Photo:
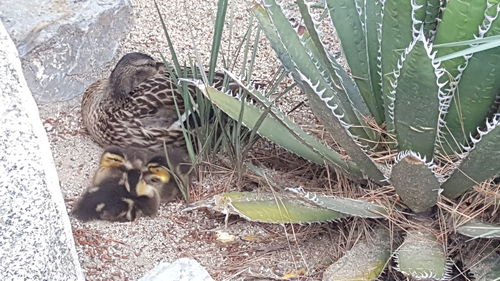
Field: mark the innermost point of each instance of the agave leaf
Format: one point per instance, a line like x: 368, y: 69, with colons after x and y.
x: 475, y: 94
x: 373, y: 34
x: 305, y: 65
x: 476, y: 229
x: 363, y: 262
x: 332, y: 120
x: 460, y: 21
x: 336, y: 73
x: 421, y: 256
x: 479, y: 163
x: 273, y: 37
x: 431, y: 18
x: 272, y: 208
x: 417, y: 96
x: 397, y: 33
x: 353, y: 207
x: 414, y: 181
x: 349, y: 19
x: 280, y: 130
x: 487, y: 269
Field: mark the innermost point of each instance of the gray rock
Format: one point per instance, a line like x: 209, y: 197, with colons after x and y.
x: 183, y: 269
x: 63, y: 42
x: 36, y: 241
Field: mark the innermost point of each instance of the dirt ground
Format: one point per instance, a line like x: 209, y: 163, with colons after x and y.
x: 125, y: 251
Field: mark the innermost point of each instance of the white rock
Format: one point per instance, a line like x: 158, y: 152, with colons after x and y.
x: 63, y: 42
x: 36, y: 241
x: 183, y: 269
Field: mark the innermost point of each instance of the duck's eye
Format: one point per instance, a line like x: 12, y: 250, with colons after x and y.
x: 111, y: 160
x: 155, y: 180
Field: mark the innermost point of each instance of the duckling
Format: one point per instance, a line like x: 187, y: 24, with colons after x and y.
x: 116, y: 160
x: 119, y: 189
x: 160, y: 167
x: 109, y: 201
x: 134, y: 106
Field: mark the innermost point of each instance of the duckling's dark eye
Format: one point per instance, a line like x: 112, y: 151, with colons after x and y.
x: 155, y: 180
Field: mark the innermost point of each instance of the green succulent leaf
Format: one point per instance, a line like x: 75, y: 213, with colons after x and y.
x: 415, y: 182
x: 479, y: 163
x: 333, y: 70
x: 305, y: 65
x: 476, y: 92
x: 273, y: 37
x: 460, y: 22
x: 476, y: 229
x: 422, y: 257
x: 397, y: 34
x: 352, y: 207
x: 328, y: 116
x: 431, y: 17
x: 365, y: 261
x: 272, y: 208
x: 417, y: 100
x: 279, y: 129
x: 350, y: 20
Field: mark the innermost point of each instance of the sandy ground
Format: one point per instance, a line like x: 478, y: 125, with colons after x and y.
x: 125, y: 251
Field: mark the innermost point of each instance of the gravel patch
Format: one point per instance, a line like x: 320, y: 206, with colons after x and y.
x: 125, y: 251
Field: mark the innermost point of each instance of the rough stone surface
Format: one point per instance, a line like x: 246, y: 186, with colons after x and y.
x: 36, y: 241
x: 62, y: 43
x: 183, y: 269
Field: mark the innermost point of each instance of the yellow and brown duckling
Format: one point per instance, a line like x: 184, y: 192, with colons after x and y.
x: 119, y: 190
x: 130, y: 182
x: 169, y: 172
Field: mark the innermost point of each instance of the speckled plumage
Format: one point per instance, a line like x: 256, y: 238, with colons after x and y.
x: 134, y: 106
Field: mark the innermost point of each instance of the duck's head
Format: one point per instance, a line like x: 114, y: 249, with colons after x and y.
x: 130, y: 71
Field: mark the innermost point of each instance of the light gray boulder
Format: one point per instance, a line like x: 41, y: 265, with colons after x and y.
x: 36, y: 241
x: 63, y: 42
x: 183, y: 269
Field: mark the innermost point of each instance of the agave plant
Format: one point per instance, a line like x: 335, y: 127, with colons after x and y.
x: 437, y: 99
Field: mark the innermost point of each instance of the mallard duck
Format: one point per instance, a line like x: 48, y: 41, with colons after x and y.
x: 134, y: 106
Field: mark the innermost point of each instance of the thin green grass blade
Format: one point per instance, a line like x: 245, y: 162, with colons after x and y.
x: 365, y: 261
x: 415, y: 182
x: 216, y: 40
x: 272, y: 208
x: 476, y: 229
x: 169, y: 41
x: 471, y: 50
x: 467, y: 43
x: 422, y: 257
x: 481, y: 162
